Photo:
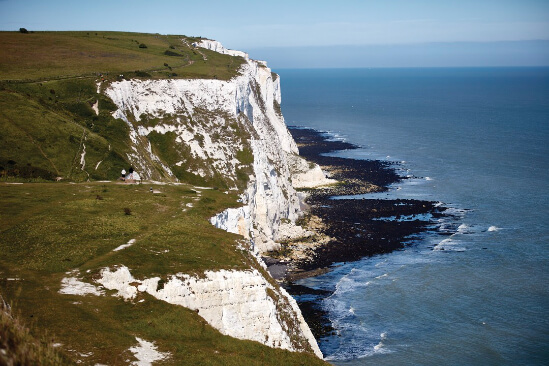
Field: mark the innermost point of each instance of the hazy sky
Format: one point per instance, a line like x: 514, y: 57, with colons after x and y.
x: 282, y: 25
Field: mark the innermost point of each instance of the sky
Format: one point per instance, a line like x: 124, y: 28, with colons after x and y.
x: 301, y: 33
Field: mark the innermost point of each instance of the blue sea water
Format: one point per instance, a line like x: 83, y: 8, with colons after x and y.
x: 476, y: 140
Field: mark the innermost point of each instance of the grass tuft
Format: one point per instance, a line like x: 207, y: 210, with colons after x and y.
x: 19, y: 347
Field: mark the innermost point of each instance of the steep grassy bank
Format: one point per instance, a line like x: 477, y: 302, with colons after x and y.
x: 50, y: 229
x: 57, y: 124
x: 19, y: 347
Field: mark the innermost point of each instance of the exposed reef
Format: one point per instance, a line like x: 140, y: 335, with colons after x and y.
x: 349, y: 229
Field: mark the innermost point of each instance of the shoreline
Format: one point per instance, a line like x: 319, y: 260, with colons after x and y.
x: 347, y: 229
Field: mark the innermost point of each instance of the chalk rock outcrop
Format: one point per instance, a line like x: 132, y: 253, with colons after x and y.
x: 242, y: 304
x: 218, y: 47
x: 306, y: 174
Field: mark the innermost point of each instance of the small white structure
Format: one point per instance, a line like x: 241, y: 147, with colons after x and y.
x: 133, y: 177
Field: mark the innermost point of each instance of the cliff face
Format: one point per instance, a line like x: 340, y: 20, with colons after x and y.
x: 211, y: 125
x: 242, y: 304
x: 229, y: 133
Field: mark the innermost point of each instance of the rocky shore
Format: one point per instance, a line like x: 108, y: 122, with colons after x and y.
x: 346, y: 229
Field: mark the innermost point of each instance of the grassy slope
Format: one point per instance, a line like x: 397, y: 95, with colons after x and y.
x: 82, y: 230
x: 45, y: 126
x: 46, y: 55
x: 19, y: 347
x: 48, y: 86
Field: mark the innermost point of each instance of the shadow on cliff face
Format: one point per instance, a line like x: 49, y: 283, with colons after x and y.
x: 309, y: 301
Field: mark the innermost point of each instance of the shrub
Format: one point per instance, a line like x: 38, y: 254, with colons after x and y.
x: 171, y: 53
x: 142, y: 45
x: 142, y: 74
x: 23, y: 30
x: 81, y: 109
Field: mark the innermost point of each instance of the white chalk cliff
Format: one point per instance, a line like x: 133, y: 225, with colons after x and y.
x: 242, y: 304
x: 212, y: 123
x: 218, y: 47
x: 200, y: 115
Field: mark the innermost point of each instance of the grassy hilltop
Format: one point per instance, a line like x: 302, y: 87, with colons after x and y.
x: 49, y: 228
x: 48, y: 91
x: 50, y: 55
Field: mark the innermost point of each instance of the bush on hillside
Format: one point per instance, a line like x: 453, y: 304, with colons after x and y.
x: 171, y: 53
x: 80, y: 108
x: 142, y: 74
x: 142, y: 45
x: 12, y: 169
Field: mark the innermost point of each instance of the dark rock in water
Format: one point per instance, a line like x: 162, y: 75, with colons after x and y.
x: 357, y: 227
x: 364, y: 227
x: 309, y: 301
x: 313, y: 144
x: 298, y: 290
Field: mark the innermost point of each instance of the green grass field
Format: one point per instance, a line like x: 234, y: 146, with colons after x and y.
x: 42, y: 56
x: 49, y: 229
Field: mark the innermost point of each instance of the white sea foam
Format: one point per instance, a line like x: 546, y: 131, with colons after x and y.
x: 456, y: 211
x: 345, y: 285
x: 465, y: 229
x: 360, y: 346
x: 379, y: 347
x: 449, y: 245
x: 493, y: 228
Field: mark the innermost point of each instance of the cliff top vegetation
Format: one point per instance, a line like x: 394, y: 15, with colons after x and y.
x: 51, y: 229
x: 50, y: 105
x: 38, y: 56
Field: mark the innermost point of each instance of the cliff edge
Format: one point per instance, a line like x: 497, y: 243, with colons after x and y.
x: 203, y: 119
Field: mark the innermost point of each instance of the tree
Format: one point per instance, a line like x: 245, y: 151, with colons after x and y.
x: 23, y: 30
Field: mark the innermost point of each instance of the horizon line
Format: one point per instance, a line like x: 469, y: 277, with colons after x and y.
x: 416, y: 67
x: 402, y: 44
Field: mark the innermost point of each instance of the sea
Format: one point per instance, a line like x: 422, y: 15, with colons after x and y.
x: 477, y: 141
